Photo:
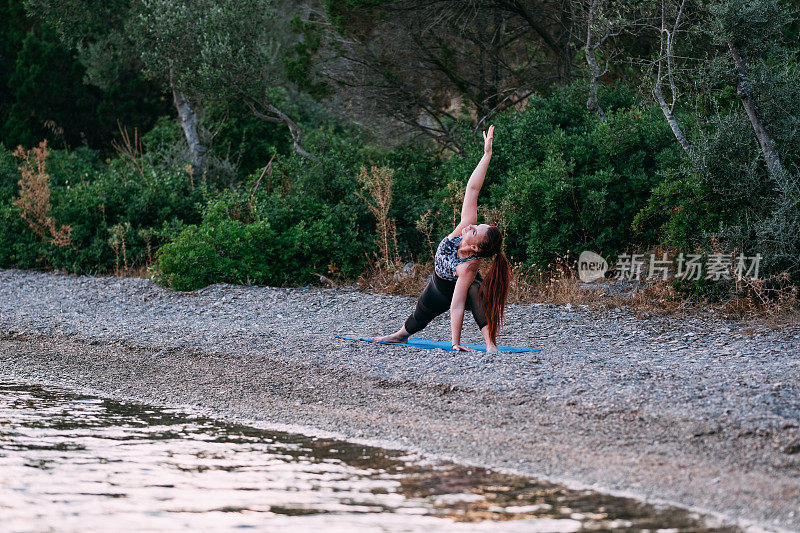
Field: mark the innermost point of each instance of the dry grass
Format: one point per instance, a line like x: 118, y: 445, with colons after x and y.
x: 129, y: 150
x: 376, y: 191
x: 772, y: 302
x: 119, y: 246
x: 142, y: 271
x: 387, y: 274
x: 119, y: 241
x: 558, y: 283
x: 561, y: 286
x: 34, y: 196
x: 396, y: 278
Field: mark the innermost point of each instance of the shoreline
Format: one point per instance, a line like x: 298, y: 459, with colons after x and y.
x: 404, y: 444
x: 609, y: 404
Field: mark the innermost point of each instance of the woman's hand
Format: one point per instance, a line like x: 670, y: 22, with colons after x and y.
x: 487, y: 140
x: 459, y: 348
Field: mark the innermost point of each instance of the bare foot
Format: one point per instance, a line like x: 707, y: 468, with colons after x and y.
x: 394, y: 337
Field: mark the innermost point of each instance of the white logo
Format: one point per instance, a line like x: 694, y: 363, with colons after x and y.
x: 591, y: 266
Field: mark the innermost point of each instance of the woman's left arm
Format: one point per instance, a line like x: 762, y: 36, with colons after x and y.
x: 469, y: 208
x: 458, y: 303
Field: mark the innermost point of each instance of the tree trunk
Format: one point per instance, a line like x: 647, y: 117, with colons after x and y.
x: 188, y: 118
x: 565, y: 51
x: 671, y: 120
x: 665, y: 54
x: 593, y: 104
x: 279, y: 117
x: 294, y: 129
x: 745, y: 90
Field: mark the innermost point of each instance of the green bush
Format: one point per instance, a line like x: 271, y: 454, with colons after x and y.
x: 561, y: 179
x: 277, y: 242
x: 9, y: 175
x: 564, y: 180
x: 18, y: 246
x: 723, y: 198
x: 119, y: 195
x: 93, y: 199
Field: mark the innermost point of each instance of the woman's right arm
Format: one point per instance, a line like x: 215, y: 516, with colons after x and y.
x: 466, y: 275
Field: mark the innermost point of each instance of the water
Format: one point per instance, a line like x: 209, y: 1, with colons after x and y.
x: 70, y: 462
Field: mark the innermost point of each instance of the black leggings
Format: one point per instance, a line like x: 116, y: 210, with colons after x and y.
x: 435, y: 300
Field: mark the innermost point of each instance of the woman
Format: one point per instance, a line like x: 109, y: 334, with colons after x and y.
x: 456, y: 283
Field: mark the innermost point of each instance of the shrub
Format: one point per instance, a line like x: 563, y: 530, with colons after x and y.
x: 279, y: 241
x: 91, y: 199
x: 19, y: 247
x: 563, y: 180
x: 560, y: 180
x: 725, y: 198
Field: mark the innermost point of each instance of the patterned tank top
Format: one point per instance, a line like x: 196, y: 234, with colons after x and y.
x: 446, y: 259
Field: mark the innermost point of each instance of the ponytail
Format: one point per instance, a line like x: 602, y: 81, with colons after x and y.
x: 495, y: 292
x: 494, y: 289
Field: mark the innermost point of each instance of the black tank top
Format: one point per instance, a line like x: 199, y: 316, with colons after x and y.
x: 446, y: 259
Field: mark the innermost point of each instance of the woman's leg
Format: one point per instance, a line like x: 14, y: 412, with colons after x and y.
x: 433, y: 301
x: 401, y: 335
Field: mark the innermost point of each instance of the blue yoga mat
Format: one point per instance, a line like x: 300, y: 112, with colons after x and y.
x: 426, y: 344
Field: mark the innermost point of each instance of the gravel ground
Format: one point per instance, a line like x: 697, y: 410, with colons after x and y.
x: 698, y: 410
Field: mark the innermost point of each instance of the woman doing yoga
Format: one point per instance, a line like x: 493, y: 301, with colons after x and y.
x: 456, y: 283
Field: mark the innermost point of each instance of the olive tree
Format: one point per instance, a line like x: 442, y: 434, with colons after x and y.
x: 223, y: 50
x: 109, y: 43
x: 201, y: 51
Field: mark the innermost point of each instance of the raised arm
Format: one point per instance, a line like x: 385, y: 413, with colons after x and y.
x: 469, y: 210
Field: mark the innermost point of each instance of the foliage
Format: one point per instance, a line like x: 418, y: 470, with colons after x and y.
x: 93, y: 200
x: 242, y: 138
x: 298, y: 58
x: 725, y: 195
x: 281, y: 241
x: 562, y: 180
x: 13, y: 28
x: 427, y: 65
x: 45, y: 94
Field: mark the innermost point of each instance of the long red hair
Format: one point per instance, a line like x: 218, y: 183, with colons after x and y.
x: 494, y: 289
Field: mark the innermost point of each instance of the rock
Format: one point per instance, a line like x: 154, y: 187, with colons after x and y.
x: 792, y: 448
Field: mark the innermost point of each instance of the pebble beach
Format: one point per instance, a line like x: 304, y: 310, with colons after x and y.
x: 695, y: 410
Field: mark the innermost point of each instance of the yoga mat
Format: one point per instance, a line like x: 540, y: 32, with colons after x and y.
x: 426, y: 344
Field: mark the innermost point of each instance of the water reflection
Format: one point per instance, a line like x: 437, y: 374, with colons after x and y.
x: 72, y: 462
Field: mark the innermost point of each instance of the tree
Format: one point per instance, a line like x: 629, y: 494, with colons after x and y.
x: 553, y: 24
x: 199, y: 50
x: 48, y: 95
x: 221, y: 50
x: 13, y: 28
x: 430, y: 67
x: 751, y: 30
x: 672, y: 14
x: 43, y: 90
x: 604, y: 22
x: 110, y: 45
x: 753, y: 38
x: 736, y: 64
